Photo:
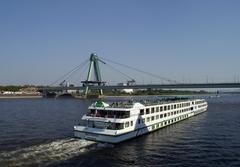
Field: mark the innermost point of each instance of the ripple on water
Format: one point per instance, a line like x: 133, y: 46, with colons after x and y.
x: 45, y: 154
x: 209, y: 139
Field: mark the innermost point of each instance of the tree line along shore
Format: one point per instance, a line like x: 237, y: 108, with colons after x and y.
x: 31, y: 91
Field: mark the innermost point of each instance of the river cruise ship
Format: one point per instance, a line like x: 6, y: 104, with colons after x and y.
x: 120, y: 121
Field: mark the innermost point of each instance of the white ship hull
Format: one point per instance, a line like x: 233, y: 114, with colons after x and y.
x: 111, y: 136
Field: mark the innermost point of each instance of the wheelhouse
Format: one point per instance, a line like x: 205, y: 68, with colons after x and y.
x: 109, y: 113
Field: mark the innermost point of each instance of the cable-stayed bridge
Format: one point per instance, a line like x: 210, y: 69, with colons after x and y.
x: 149, y: 86
x: 94, y: 79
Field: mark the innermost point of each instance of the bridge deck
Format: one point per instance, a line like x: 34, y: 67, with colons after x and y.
x: 149, y: 86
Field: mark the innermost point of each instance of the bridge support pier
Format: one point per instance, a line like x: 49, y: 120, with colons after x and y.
x: 93, y: 72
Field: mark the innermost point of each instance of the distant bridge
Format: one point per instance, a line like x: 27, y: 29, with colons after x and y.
x: 98, y: 84
x: 148, y: 86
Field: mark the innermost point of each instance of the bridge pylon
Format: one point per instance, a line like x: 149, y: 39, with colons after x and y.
x: 93, y: 73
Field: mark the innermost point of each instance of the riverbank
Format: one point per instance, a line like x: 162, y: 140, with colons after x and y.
x: 100, y: 97
x: 163, y: 95
x: 160, y: 95
x: 20, y: 97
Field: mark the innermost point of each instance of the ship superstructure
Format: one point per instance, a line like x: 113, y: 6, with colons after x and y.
x: 121, y: 121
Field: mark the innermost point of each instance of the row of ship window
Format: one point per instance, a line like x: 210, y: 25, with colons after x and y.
x: 164, y: 123
x: 163, y: 108
x: 200, y: 102
x: 119, y: 126
x: 152, y: 118
x: 202, y: 105
x: 128, y: 124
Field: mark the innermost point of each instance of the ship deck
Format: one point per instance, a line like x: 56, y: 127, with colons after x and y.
x: 130, y: 103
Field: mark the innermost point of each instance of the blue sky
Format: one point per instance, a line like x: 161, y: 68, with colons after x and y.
x: 186, y: 40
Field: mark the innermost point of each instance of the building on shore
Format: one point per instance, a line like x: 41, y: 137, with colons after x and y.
x: 129, y: 91
x: 22, y: 91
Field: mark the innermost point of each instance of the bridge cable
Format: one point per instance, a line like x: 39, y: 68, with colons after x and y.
x: 82, y: 71
x: 74, y: 72
x: 141, y: 71
x: 115, y: 69
x: 68, y: 73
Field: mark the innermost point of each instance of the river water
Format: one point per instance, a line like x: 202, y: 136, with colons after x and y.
x: 39, y: 132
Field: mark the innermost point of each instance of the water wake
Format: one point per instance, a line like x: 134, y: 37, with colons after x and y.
x: 46, y: 154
